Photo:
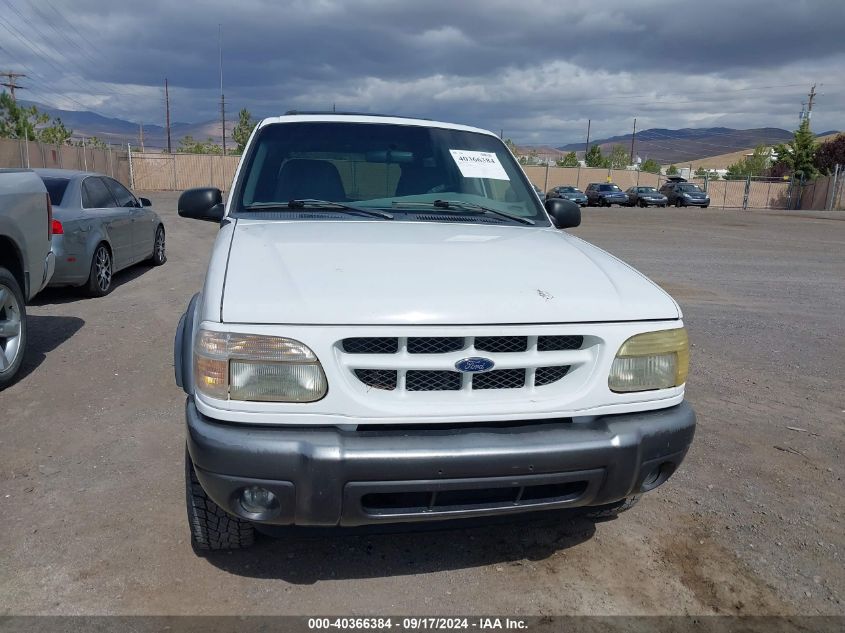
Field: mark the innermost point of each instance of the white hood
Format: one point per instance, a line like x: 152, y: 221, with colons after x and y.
x: 395, y: 273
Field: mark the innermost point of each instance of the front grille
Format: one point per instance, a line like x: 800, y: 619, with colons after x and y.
x: 427, y: 363
x: 499, y: 379
x: 432, y: 380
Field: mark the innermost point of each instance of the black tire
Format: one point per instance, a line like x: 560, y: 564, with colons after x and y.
x: 159, y: 248
x: 12, y: 327
x: 678, y: 203
x: 102, y: 271
x: 611, y: 510
x: 212, y: 528
x: 704, y: 206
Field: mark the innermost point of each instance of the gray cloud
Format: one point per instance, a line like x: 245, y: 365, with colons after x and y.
x: 537, y: 70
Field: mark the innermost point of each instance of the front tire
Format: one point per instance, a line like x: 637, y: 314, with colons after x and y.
x: 612, y: 510
x: 12, y: 327
x: 212, y: 528
x: 102, y: 270
x: 159, y: 248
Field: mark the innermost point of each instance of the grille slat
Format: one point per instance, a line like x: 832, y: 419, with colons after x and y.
x: 432, y: 380
x: 548, y: 375
x: 378, y: 378
x: 435, y: 344
x: 501, y: 344
x: 559, y: 343
x: 371, y: 345
x: 499, y: 379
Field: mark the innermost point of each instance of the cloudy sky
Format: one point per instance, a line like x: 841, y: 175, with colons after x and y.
x: 538, y: 70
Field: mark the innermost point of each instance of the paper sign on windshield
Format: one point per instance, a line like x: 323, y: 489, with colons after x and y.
x: 479, y: 164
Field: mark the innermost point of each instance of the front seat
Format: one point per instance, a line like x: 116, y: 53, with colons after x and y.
x: 305, y: 178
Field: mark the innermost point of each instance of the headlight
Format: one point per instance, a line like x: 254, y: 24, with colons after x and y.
x: 230, y: 366
x: 654, y: 360
x: 686, y: 195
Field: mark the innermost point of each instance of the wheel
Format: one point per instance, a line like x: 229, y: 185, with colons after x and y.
x: 678, y: 203
x: 12, y: 327
x: 642, y: 204
x: 102, y: 269
x: 159, y: 248
x: 212, y: 528
x: 611, y: 510
x: 704, y: 206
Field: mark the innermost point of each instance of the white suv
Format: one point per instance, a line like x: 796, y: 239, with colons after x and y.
x: 381, y: 339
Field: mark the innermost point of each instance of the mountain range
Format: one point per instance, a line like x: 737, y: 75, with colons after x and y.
x: 663, y: 145
x: 688, y: 144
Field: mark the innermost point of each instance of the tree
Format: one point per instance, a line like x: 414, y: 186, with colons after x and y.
x: 755, y: 165
x: 92, y: 141
x: 242, y: 130
x: 700, y: 172
x: 22, y: 122
x: 570, y: 160
x: 593, y: 157
x: 798, y: 154
x: 511, y: 146
x: 650, y: 165
x: 671, y: 170
x: 188, y: 145
x: 830, y: 153
x: 618, y: 157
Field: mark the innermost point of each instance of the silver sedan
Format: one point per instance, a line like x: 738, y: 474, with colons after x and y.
x: 99, y: 228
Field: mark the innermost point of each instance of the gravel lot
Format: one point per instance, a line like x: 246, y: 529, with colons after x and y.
x: 92, y: 436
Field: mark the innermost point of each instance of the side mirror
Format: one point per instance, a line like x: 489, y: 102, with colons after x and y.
x: 565, y: 214
x: 203, y: 203
x: 145, y: 202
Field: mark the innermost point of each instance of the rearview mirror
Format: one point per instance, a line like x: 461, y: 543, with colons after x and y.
x: 203, y: 203
x: 145, y: 202
x: 565, y: 214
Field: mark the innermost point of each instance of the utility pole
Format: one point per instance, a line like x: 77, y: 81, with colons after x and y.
x: 633, y: 136
x: 222, y: 97
x: 587, y: 146
x: 167, y: 114
x: 812, y: 97
x: 10, y: 82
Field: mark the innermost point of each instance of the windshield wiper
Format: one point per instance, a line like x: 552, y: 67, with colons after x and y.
x: 303, y: 203
x: 462, y: 205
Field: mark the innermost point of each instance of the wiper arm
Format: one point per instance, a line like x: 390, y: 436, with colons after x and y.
x: 303, y: 203
x: 454, y: 205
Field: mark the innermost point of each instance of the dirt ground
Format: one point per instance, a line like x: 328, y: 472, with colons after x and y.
x: 92, y: 436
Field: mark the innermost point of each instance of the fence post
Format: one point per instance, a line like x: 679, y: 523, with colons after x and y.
x: 131, y: 172
x: 745, y: 194
x: 26, y: 145
x: 111, y: 162
x: 173, y: 169
x: 84, y: 154
x: 725, y: 195
x: 546, y: 183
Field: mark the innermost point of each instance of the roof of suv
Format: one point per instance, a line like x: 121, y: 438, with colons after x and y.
x: 353, y: 117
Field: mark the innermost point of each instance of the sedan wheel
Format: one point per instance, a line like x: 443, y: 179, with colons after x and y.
x: 100, y: 277
x: 12, y: 327
x: 159, y: 250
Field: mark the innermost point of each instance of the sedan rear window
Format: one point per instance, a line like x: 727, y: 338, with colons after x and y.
x: 56, y: 187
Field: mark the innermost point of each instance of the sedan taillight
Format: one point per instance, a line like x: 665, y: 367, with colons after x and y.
x: 57, y: 228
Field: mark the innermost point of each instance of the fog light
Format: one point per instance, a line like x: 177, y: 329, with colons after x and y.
x: 258, y: 500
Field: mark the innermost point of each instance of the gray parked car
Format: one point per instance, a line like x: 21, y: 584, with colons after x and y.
x: 99, y: 228
x: 567, y: 192
x: 645, y: 197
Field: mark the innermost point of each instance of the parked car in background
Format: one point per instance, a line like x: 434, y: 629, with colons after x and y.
x: 26, y: 261
x: 605, y: 194
x: 645, y: 197
x: 568, y: 192
x: 683, y: 194
x: 540, y: 193
x: 99, y: 228
x: 321, y: 394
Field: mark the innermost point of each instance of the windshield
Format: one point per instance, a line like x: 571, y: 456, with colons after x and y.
x: 383, y: 166
x: 647, y: 190
x: 609, y: 188
x: 688, y: 187
x: 569, y: 190
x: 56, y: 187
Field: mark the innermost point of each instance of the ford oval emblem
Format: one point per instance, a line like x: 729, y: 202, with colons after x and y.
x: 474, y: 364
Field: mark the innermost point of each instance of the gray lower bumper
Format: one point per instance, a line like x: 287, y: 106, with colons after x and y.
x: 329, y: 477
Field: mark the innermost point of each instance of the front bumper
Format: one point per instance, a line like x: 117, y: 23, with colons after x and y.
x: 329, y: 477
x: 696, y: 202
